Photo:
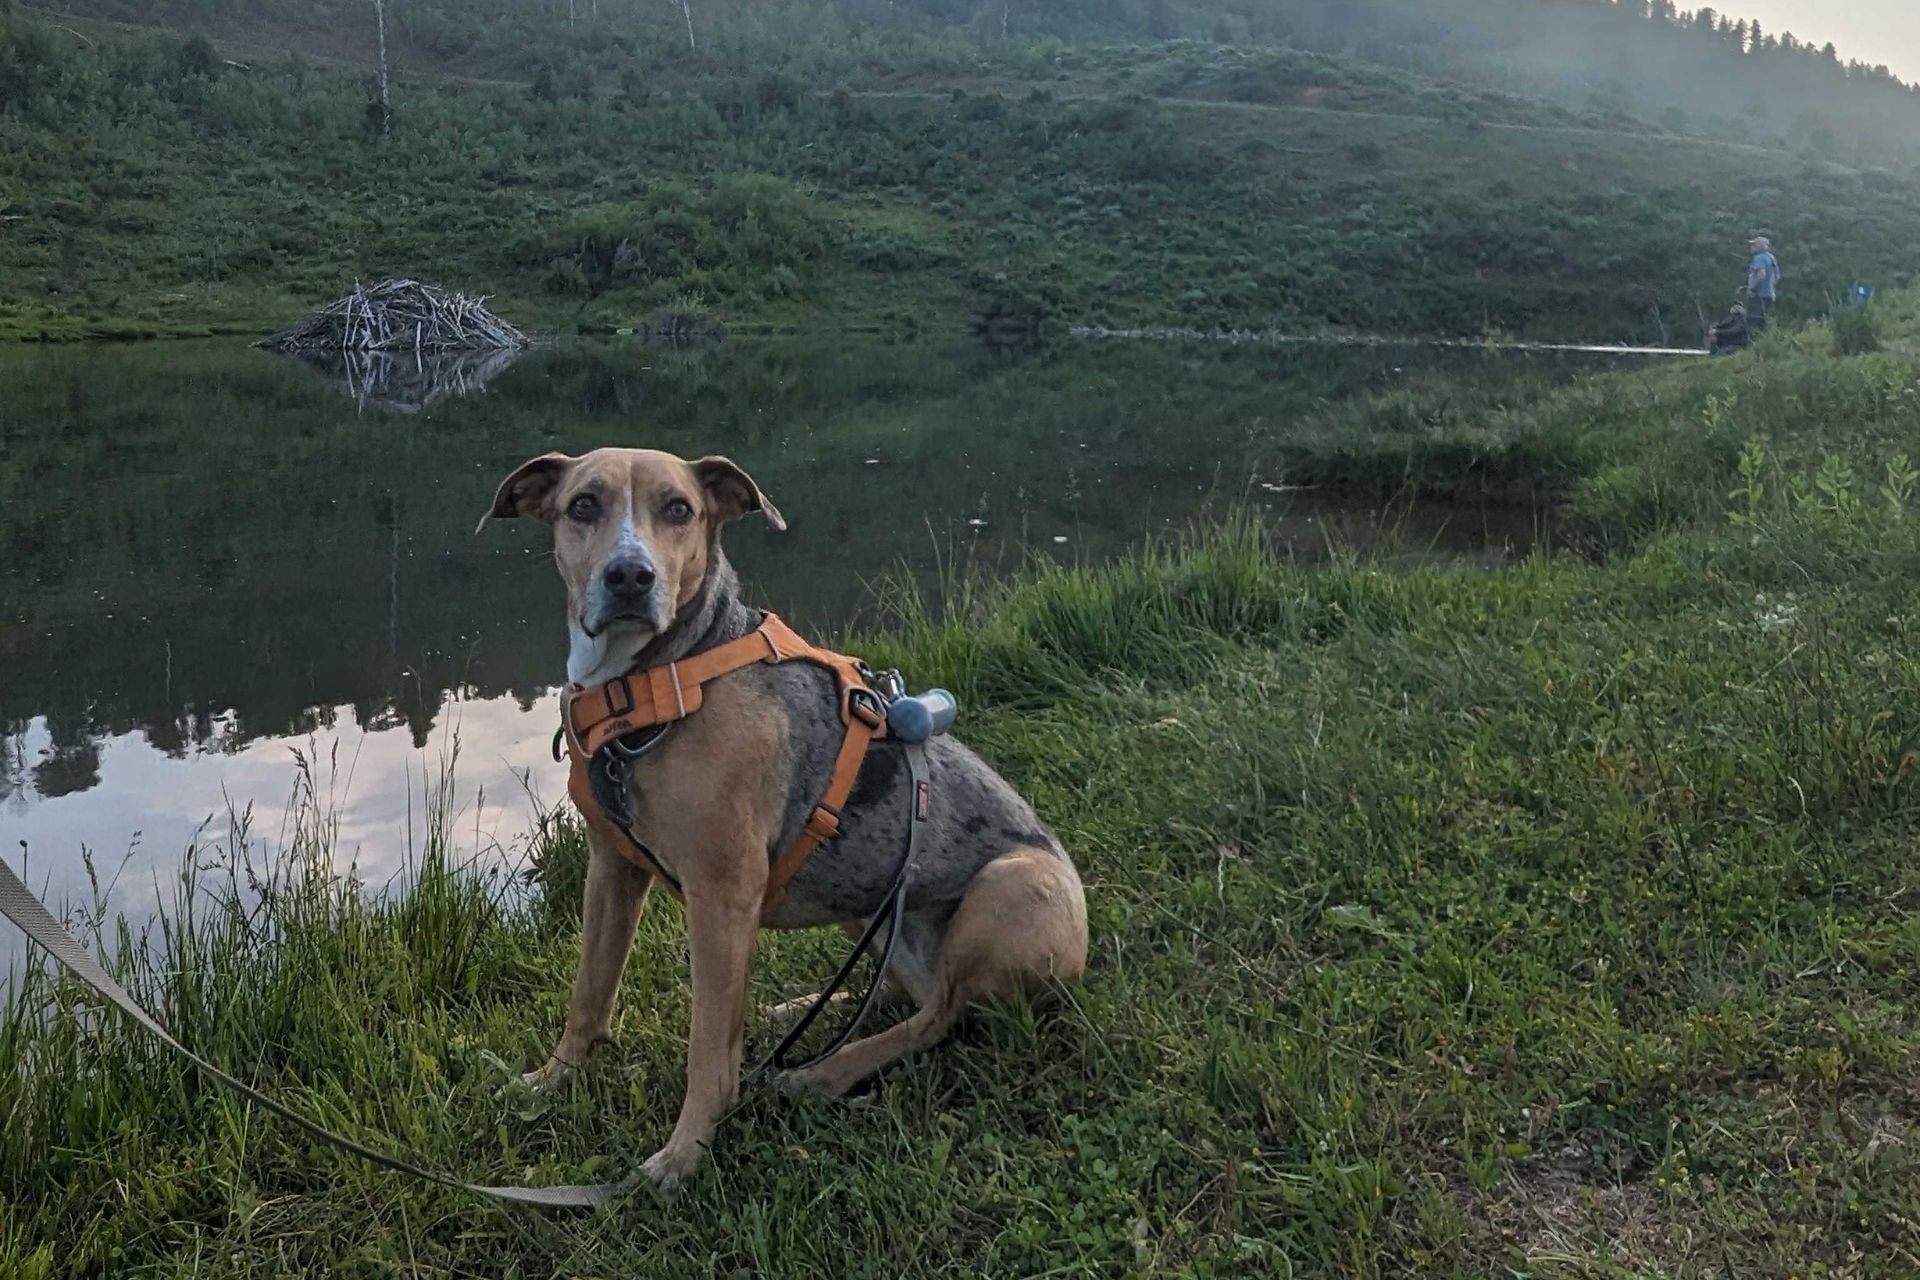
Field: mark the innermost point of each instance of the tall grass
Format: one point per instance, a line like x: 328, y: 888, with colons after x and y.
x: 1550, y: 921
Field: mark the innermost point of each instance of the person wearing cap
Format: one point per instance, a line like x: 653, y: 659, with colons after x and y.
x: 1763, y: 283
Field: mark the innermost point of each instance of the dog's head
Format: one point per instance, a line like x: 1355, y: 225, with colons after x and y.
x: 635, y: 531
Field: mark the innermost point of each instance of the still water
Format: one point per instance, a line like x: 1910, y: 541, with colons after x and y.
x: 211, y: 558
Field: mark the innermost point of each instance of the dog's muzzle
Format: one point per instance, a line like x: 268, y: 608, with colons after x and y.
x: 625, y: 593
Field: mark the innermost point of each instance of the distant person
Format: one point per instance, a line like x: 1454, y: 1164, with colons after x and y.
x: 1732, y: 334
x: 1763, y: 283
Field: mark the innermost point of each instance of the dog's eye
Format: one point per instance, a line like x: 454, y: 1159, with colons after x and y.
x: 585, y: 508
x: 678, y: 511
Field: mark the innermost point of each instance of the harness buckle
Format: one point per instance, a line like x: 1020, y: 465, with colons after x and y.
x: 865, y: 706
x: 823, y: 823
x: 626, y: 694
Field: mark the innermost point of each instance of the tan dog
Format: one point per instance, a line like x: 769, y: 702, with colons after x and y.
x: 994, y: 905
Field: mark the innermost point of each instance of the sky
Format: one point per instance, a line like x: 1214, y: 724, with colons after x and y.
x: 1868, y: 30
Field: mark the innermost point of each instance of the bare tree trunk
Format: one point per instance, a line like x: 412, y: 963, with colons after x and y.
x: 386, y: 98
x: 686, y: 8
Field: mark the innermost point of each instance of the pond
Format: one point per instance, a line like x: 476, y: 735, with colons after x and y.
x: 212, y: 558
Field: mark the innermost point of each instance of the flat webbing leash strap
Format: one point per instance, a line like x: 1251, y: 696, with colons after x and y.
x: 19, y: 905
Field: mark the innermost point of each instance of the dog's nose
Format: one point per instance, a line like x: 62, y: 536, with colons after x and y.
x: 628, y: 577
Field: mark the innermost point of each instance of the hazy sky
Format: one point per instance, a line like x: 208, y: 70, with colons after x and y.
x: 1870, y: 30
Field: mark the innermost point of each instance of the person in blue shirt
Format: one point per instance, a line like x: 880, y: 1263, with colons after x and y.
x: 1763, y: 283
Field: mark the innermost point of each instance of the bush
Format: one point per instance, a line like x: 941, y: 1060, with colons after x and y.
x: 753, y: 237
x: 197, y: 58
x: 892, y: 249
x: 1856, y: 331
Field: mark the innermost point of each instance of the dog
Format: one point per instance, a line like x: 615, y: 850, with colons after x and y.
x: 995, y: 906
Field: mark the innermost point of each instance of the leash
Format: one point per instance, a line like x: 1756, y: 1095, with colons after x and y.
x: 893, y: 909
x: 19, y: 905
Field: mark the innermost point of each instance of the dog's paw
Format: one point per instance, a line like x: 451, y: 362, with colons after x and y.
x: 808, y: 1082
x: 549, y: 1076
x: 668, y: 1169
x: 797, y: 1084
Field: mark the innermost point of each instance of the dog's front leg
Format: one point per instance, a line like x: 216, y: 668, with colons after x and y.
x: 616, y: 893
x: 723, y: 927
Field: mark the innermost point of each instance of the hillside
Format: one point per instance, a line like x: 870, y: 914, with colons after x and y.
x: 1698, y: 71
x: 881, y: 178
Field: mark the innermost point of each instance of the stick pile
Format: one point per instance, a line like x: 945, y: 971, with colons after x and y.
x: 400, y: 316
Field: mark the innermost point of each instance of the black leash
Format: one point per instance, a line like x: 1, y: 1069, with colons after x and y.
x: 893, y: 909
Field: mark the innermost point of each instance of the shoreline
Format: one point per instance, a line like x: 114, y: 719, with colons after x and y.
x: 1423, y: 900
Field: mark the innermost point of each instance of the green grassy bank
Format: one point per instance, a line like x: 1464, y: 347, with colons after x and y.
x: 1555, y: 921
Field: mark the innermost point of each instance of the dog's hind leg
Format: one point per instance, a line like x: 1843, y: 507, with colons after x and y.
x: 616, y: 893
x: 1021, y: 925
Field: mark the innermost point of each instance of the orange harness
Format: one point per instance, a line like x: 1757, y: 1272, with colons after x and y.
x: 590, y: 718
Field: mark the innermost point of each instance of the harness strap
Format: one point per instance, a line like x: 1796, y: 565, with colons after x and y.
x: 865, y: 720
x: 591, y: 717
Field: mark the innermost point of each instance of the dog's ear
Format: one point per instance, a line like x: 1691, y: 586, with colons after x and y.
x: 529, y: 490
x: 733, y: 492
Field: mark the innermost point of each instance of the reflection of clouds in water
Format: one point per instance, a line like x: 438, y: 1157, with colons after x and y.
x: 376, y: 785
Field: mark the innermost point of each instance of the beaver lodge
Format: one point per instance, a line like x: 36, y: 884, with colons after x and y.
x: 396, y: 316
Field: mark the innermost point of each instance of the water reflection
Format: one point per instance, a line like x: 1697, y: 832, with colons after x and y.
x: 207, y: 555
x: 405, y: 382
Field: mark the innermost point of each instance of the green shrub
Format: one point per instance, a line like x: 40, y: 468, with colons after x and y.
x: 1856, y: 331
x: 754, y: 237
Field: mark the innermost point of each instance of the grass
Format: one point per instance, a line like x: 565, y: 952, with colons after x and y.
x: 1552, y: 921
